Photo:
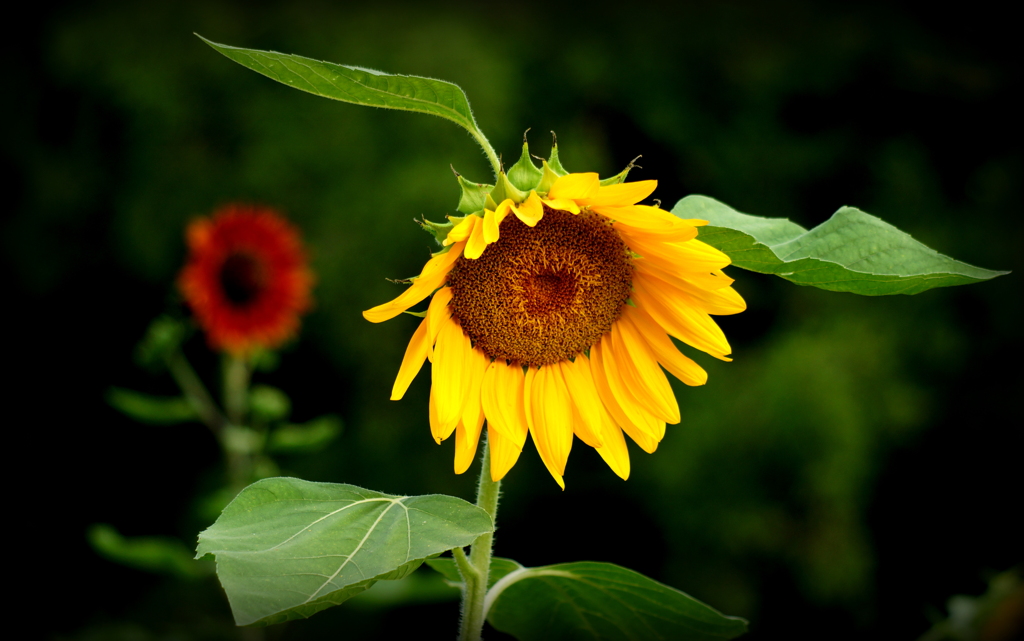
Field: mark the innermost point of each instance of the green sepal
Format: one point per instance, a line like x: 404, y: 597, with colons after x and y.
x: 548, y: 178
x: 503, y: 189
x: 422, y: 314
x: 524, y: 174
x: 556, y: 164
x: 473, y: 195
x: 490, y: 204
x: 621, y: 176
x: 438, y: 230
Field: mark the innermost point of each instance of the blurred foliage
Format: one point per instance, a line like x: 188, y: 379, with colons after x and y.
x: 852, y: 466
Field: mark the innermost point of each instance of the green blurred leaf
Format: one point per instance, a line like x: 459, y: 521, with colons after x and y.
x: 358, y: 85
x: 155, y: 554
x: 288, y: 548
x: 158, y: 410
x: 850, y: 252
x: 590, y: 600
x: 306, y: 437
x: 269, y: 403
x: 163, y: 336
x: 499, y: 568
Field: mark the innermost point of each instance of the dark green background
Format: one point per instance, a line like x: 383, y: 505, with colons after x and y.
x: 855, y: 466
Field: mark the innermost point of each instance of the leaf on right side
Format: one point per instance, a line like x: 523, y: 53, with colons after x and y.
x: 589, y: 600
x: 851, y: 252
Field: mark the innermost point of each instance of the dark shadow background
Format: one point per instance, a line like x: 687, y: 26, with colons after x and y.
x: 854, y: 467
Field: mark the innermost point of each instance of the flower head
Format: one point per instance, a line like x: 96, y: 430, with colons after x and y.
x: 551, y: 311
x: 246, y: 278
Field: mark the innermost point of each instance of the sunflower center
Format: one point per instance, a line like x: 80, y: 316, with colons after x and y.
x: 543, y: 294
x: 242, y: 278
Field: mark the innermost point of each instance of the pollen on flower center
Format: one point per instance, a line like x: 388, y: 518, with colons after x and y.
x: 242, y: 278
x: 543, y: 294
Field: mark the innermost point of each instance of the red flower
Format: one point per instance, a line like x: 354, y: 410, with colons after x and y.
x: 246, y: 278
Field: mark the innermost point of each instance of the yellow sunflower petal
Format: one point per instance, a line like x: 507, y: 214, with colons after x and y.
x: 450, y: 373
x: 476, y: 244
x: 621, y: 194
x: 461, y: 231
x: 565, y: 204
x: 722, y: 301
x: 504, y: 452
x: 644, y: 216
x: 529, y: 211
x: 466, y: 438
x: 415, y: 354
x: 489, y: 392
x: 691, y: 256
x: 585, y: 398
x: 646, y: 442
x: 512, y: 381
x: 437, y: 430
x: 614, y: 451
x: 628, y: 412
x: 491, y: 223
x: 476, y: 366
x: 433, y: 276
x: 575, y: 186
x: 678, y: 234
x: 642, y: 375
x: 693, y: 327
x: 437, y: 313
x: 552, y: 420
x: 679, y: 365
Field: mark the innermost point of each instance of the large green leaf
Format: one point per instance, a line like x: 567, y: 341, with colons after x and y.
x: 358, y: 85
x: 850, y: 252
x: 288, y: 548
x: 604, y: 601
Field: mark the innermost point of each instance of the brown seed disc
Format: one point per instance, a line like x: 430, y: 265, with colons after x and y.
x: 543, y: 294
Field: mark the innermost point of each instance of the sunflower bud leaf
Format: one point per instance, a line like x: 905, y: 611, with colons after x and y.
x: 288, y: 548
x: 850, y: 252
x: 591, y: 600
x: 473, y: 196
x: 524, y: 174
x: 504, y: 189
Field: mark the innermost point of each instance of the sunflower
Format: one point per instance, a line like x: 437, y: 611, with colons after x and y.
x: 551, y: 313
x: 246, y: 278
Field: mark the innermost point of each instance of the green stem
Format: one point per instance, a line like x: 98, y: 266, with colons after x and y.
x: 473, y: 614
x: 236, y: 441
x: 488, y: 150
x: 194, y: 390
x: 236, y: 388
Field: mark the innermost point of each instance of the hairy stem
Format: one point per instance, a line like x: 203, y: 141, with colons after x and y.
x: 473, y: 595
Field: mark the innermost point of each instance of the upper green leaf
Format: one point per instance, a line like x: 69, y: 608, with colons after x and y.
x: 850, y: 252
x: 590, y: 600
x: 358, y: 85
x: 288, y: 548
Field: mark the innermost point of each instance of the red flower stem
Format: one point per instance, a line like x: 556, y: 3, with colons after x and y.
x: 238, y: 451
x: 194, y: 390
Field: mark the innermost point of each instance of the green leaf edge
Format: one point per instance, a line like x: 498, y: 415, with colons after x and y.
x: 754, y: 248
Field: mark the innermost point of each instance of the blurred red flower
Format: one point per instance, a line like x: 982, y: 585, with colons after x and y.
x: 246, y: 278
